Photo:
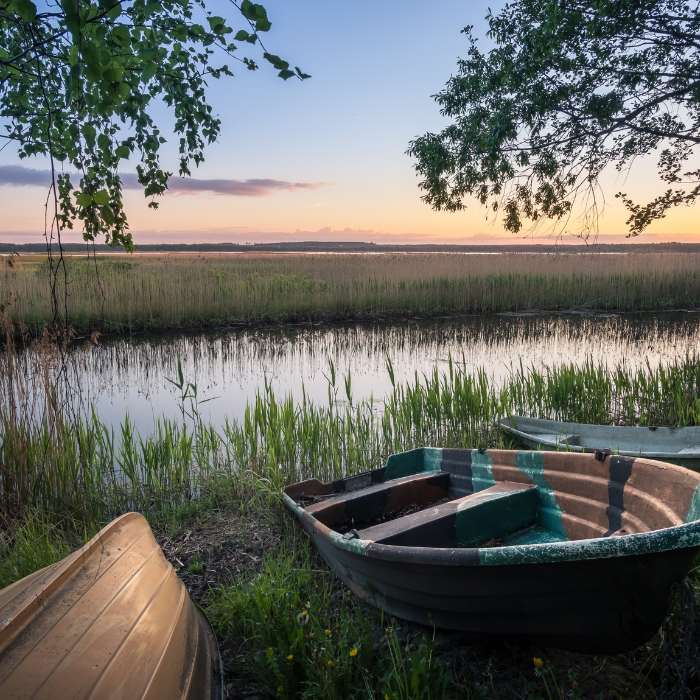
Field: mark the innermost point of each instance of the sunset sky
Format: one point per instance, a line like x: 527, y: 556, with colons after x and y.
x: 327, y: 156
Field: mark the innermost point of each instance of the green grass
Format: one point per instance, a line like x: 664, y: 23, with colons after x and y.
x: 160, y: 292
x: 296, y: 633
x: 292, y: 631
x: 81, y: 469
x: 36, y: 543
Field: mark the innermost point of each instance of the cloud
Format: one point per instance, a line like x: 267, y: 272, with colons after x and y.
x: 19, y: 176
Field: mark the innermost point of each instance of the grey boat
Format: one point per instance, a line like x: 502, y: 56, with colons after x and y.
x: 677, y: 445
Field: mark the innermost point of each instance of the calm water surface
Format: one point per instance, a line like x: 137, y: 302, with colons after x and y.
x: 129, y: 376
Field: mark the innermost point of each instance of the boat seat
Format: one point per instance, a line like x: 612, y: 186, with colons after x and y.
x: 559, y: 438
x: 365, y: 505
x: 476, y: 518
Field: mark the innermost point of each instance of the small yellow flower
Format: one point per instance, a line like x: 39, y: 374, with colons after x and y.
x: 327, y: 632
x: 538, y: 662
x: 330, y: 663
x: 353, y: 652
x: 290, y: 657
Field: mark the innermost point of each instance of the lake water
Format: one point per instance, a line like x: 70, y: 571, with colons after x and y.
x: 129, y: 376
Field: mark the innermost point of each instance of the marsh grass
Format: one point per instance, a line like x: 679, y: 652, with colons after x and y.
x: 294, y: 632
x: 82, y: 469
x: 155, y: 292
x: 37, y: 542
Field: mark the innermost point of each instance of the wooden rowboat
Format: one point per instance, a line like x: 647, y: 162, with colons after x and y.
x: 112, y: 620
x: 571, y: 550
x: 677, y: 445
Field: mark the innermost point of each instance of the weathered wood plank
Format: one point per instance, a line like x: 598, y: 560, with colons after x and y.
x: 504, y: 507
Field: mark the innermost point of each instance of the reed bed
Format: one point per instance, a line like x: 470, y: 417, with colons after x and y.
x: 81, y: 467
x: 154, y: 292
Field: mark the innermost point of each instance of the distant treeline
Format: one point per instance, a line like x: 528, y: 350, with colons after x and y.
x: 363, y: 247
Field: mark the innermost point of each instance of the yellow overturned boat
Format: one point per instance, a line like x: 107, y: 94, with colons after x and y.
x: 112, y: 620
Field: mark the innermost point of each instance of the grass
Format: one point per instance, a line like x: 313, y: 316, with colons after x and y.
x: 290, y: 630
x: 82, y: 469
x: 36, y: 543
x: 297, y: 634
x: 159, y: 292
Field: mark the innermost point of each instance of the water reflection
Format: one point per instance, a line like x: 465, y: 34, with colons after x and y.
x: 129, y: 375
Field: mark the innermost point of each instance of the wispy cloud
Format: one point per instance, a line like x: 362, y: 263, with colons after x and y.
x: 19, y: 176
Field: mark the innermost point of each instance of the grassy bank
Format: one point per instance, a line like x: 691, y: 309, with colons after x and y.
x: 287, y: 628
x: 84, y: 468
x: 156, y: 292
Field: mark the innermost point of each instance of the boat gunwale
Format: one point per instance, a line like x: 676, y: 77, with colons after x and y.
x: 677, y: 537
x: 567, y: 447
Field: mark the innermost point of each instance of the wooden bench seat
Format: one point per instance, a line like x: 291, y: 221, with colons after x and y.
x: 365, y: 505
x: 467, y: 521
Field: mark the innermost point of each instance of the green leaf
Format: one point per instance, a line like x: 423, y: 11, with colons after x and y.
x: 101, y: 197
x: 243, y: 35
x: 83, y: 199
x: 248, y: 10
x: 218, y: 25
x: 286, y: 74
x: 24, y: 8
x: 89, y: 134
x: 107, y: 214
x: 276, y: 61
x: 180, y: 32
x: 122, y: 151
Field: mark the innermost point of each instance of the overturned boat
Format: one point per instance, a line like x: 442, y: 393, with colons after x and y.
x: 578, y: 551
x: 677, y: 445
x: 112, y: 620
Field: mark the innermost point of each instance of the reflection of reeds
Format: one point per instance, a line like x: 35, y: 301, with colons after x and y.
x: 199, y: 290
x: 77, y: 467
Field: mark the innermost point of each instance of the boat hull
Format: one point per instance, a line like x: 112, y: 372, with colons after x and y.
x: 575, y: 551
x: 595, y: 606
x: 111, y: 620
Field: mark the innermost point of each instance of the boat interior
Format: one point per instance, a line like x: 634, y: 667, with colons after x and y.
x: 515, y: 500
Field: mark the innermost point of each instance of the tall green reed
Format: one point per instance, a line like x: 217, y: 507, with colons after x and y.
x: 82, y: 468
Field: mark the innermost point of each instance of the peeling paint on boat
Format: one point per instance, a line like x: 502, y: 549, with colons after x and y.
x: 694, y: 510
x: 532, y: 465
x: 482, y: 470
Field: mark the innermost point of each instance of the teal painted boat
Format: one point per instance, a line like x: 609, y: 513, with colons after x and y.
x: 676, y: 445
x: 571, y: 550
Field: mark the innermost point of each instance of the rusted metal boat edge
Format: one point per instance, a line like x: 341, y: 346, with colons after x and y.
x: 112, y: 617
x: 682, y: 536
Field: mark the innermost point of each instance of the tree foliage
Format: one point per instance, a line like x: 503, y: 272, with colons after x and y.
x: 80, y: 79
x: 569, y: 88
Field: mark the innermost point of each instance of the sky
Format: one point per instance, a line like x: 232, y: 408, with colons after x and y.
x: 325, y: 159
